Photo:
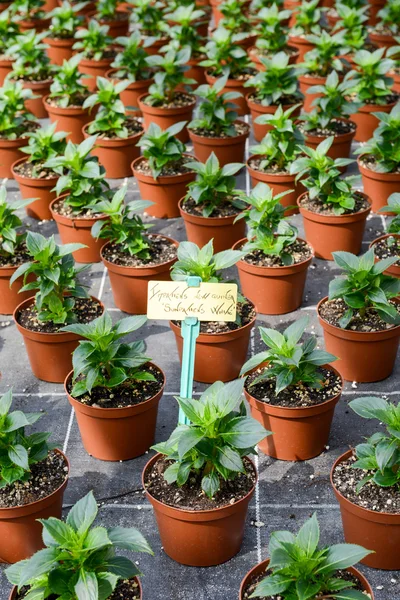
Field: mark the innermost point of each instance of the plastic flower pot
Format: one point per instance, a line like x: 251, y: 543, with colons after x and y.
x: 59, y: 50
x: 394, y: 270
x: 363, y: 356
x: 9, y: 154
x: 200, y: 538
x: 165, y: 191
x: 226, y: 149
x: 329, y: 233
x: 70, y: 119
x: 234, y: 85
x: 377, y: 531
x: 255, y: 56
x: 366, y: 121
x: 303, y: 46
x: 341, y: 146
x: 94, y: 68
x: 382, y: 40
x: 39, y: 188
x: 305, y: 83
x: 6, y: 65
x: 378, y: 186
x: 293, y: 6
x: 134, y: 90
x: 374, y: 7
x: 257, y: 110
x: 115, y: 434
x: 20, y: 530
x: 273, y: 290
x: 165, y: 117
x: 40, y: 89
x: 10, y: 297
x: 129, y: 284
x: 196, y: 71
x: 278, y: 183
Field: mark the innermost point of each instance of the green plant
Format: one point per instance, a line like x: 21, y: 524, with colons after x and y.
x: 364, y: 287
x: 111, y: 117
x: 67, y: 87
x: 56, y: 278
x: 301, y: 569
x: 65, y: 20
x: 389, y: 17
x: 320, y: 175
x: 393, y: 206
x: 31, y: 61
x: 281, y: 145
x: 235, y: 17
x: 14, y: 117
x: 269, y: 231
x: 219, y: 436
x: 106, y: 9
x: 28, y: 9
x: 18, y: 451
x: 148, y: 16
x: 384, y: 146
x: 325, y: 56
x: 184, y: 31
x: 79, y: 561
x: 202, y: 262
x: 352, y: 21
x: 290, y: 363
x: 94, y: 41
x: 161, y: 148
x: 394, y: 53
x: 224, y: 53
x: 277, y: 83
x: 171, y: 75
x: 132, y: 61
x: 380, y: 453
x: 272, y: 35
x: 308, y: 17
x: 10, y: 239
x: 9, y: 30
x: 44, y: 144
x: 370, y: 82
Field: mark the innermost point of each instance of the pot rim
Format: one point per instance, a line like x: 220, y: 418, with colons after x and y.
x: 41, y: 182
x: 63, y: 110
x: 321, y: 218
x: 144, y: 267
x: 59, y: 42
x: 302, y: 41
x: 83, y: 223
x: 337, y: 136
x: 270, y: 106
x: 167, y: 111
x: 35, y: 84
x: 221, y: 141
x: 275, y: 269
x: 133, y: 84
x: 212, y: 221
x: 383, y: 237
x: 91, y: 62
x: 93, y: 13
x: 286, y: 176
x: 161, y: 179
x: 371, y: 174
x: 371, y: 108
x: 230, y: 82
x: 252, y: 50
x: 113, y: 142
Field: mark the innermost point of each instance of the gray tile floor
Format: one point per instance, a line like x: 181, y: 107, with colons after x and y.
x: 287, y: 492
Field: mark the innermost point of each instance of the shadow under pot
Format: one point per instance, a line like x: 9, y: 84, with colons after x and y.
x: 235, y: 85
x: 70, y: 119
x: 221, y: 354
x: 20, y: 530
x: 94, y: 68
x: 257, y: 110
x: 133, y: 92
x: 50, y: 350
x: 222, y: 229
x: 329, y: 233
x: 129, y: 281
x: 364, y: 356
x: 366, y: 121
x: 384, y: 250
x: 166, y: 190
x: 298, y: 432
x: 59, y: 49
x: 119, y: 433
x: 77, y: 229
x: 199, y: 538
x: 369, y: 527
x: 274, y: 289
x: 227, y: 149
x: 378, y: 186
x: 40, y: 188
x: 166, y: 116
x: 341, y: 145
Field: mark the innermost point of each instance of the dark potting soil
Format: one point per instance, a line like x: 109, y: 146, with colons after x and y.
x: 390, y: 99
x: 21, y: 256
x: 21, y: 132
x: 124, y: 74
x: 127, y: 589
x: 289, y: 50
x: 108, y: 53
x: 322, y: 208
x: 36, y: 78
x: 190, y: 496
x: 74, y: 102
x: 179, y: 99
x: 372, y: 496
x: 295, y: 395
x: 66, y: 211
x: 117, y: 16
x: 27, y: 169
x: 85, y: 310
x: 284, y: 100
x: 273, y: 169
x: 46, y: 477
x: 337, y: 128
x: 176, y: 168
x: 240, y: 129
x: 369, y: 162
x: 332, y: 311
x: 129, y: 393
x: 244, y: 76
x: 132, y: 125
x: 387, y: 248
x: 161, y: 251
x: 300, y: 251
x: 245, y: 314
x: 226, y: 209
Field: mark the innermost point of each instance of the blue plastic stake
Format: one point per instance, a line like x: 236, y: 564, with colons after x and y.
x: 190, y: 330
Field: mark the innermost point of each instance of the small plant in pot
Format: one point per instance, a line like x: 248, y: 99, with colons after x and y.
x: 271, y: 160
x: 34, y: 179
x: 274, y: 269
x: 272, y: 37
x: 201, y: 481
x: 65, y: 20
x: 117, y: 133
x: 8, y: 33
x: 215, y: 127
x: 334, y: 214
x: 366, y: 483
x: 97, y: 52
x: 30, y: 15
x: 384, y: 32
x: 60, y: 299
x: 147, y: 16
x: 162, y: 172
x: 298, y: 563
x: 114, y: 389
x: 132, y: 256
x: 108, y: 12
x: 33, y: 477
x: 389, y: 244
x: 222, y: 344
x: 351, y: 21
x: 308, y: 18
x: 275, y: 86
x: 212, y: 204
x: 360, y: 318
x: 80, y: 559
x: 235, y: 19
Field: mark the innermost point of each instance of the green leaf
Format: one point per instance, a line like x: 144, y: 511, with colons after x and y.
x: 96, y: 538
x: 370, y: 407
x: 59, y: 531
x: 121, y: 566
x: 271, y: 586
x: 342, y: 556
x: 129, y: 539
x: 210, y: 484
x: 188, y: 440
x: 244, y: 432
x: 5, y: 403
x: 42, y: 562
x: 83, y: 513
x: 230, y: 459
x: 19, y: 456
x: 349, y: 595
x: 86, y: 587
x: 308, y: 536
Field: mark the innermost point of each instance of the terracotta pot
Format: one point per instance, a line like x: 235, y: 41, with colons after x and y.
x: 374, y: 7
x: 196, y: 72
x: 116, y: 434
x: 273, y: 290
x: 226, y: 350
x: 377, y: 531
x: 71, y: 119
x: 226, y: 149
x: 20, y: 529
x: 38, y: 24
x: 329, y: 233
x: 154, y: 47
x: 165, y: 117
x: 366, y: 121
x: 129, y: 284
x: 257, y: 110
x: 234, y: 85
x: 78, y: 230
x: 94, y: 68
x: 394, y: 270
x: 59, y: 50
x: 394, y: 76
x: 217, y: 14
x: 117, y: 154
x: 293, y: 6
x: 165, y: 191
x: 382, y: 40
x: 200, y: 538
x: 305, y: 83
x: 262, y: 567
x: 278, y: 184
x: 378, y: 186
x: 131, y: 94
x: 50, y: 5
x: 116, y: 27
x: 39, y: 89
x: 302, y: 45
x: 222, y: 230
x: 6, y: 66
x: 10, y: 296
x: 255, y: 57
x: 341, y: 146
x: 363, y: 356
x: 13, y: 594
x: 42, y: 189
x: 9, y: 154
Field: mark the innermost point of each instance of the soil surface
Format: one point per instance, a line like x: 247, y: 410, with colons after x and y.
x: 283, y: 100
x: 295, y: 395
x: 20, y: 257
x: 273, y: 169
x: 289, y: 50
x: 26, y: 169
x: 75, y: 102
x: 325, y: 209
x: 63, y: 209
x: 174, y: 168
x: 117, y: 16
x: 337, y: 127
x: 85, y: 310
x: 240, y: 129
x: 369, y: 162
x: 129, y: 393
x: 190, y: 496
x: 226, y: 209
x: 332, y: 311
x: 372, y: 496
x: 161, y: 251
x: 179, y: 99
x: 244, y: 315
x: 46, y: 477
x: 387, y: 248
x: 390, y: 99
x: 20, y: 133
x: 127, y: 589
x: 245, y: 76
x: 133, y: 126
x: 300, y: 251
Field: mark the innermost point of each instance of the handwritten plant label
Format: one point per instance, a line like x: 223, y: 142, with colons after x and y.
x: 176, y: 300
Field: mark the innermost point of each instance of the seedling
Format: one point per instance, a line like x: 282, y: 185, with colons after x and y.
x: 65, y: 20
x: 106, y: 9
x: 384, y: 146
x: 352, y: 21
x: 31, y: 61
x: 8, y: 31
x: 272, y: 35
x: 14, y: 117
x: 277, y: 83
x: 27, y: 10
x: 132, y: 61
x: 44, y: 144
x: 224, y: 53
x: 325, y: 56
x: 161, y: 148
x: 371, y: 85
x: 202, y: 262
x: 184, y: 31
x: 393, y: 206
x: 10, y: 239
x: 170, y: 76
x: 67, y: 88
x: 148, y: 16
x: 389, y: 17
x: 235, y: 18
x: 308, y: 18
x: 93, y: 42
